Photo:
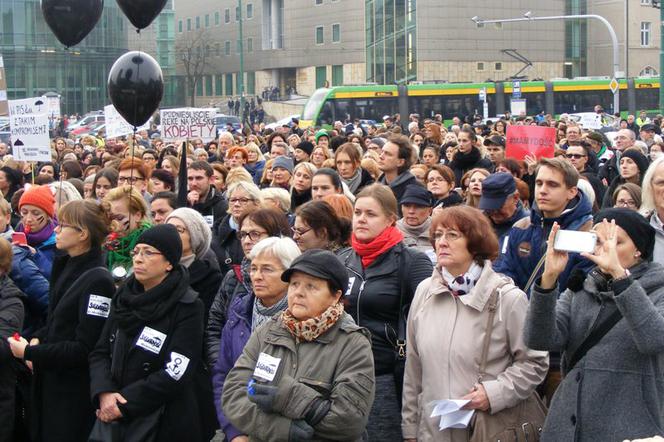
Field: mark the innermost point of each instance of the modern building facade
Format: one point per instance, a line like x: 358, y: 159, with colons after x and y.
x: 158, y: 40
x: 36, y: 63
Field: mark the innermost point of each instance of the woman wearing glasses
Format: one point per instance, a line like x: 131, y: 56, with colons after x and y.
x: 253, y: 227
x: 317, y: 226
x: 79, y: 303
x: 129, y: 218
x: 243, y: 198
x: 383, y: 275
x: 270, y: 257
x: 144, y: 366
x: 449, y: 307
x: 440, y: 182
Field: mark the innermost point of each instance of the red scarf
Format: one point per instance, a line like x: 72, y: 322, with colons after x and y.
x: 388, y: 238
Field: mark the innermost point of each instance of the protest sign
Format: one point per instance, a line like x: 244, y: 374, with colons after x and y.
x: 116, y: 125
x: 536, y: 141
x: 590, y: 120
x: 29, y: 135
x: 188, y: 123
x: 52, y: 106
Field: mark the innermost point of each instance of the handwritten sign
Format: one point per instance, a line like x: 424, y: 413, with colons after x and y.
x: 188, y: 123
x: 29, y: 135
x: 536, y: 141
x: 116, y: 125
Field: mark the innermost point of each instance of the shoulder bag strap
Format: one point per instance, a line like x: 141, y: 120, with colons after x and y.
x: 533, y: 276
x: 491, y: 304
x: 401, y: 321
x: 594, y: 337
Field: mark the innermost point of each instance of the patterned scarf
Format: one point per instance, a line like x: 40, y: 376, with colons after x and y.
x: 261, y: 314
x: 310, y: 329
x: 119, y: 247
x: 464, y: 283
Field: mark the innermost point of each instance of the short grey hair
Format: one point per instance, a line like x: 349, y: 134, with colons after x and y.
x: 278, y: 194
x: 250, y: 188
x: 283, y: 249
x: 648, y: 203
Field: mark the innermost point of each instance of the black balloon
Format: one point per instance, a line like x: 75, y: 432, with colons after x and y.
x: 141, y: 12
x: 135, y: 86
x: 71, y: 20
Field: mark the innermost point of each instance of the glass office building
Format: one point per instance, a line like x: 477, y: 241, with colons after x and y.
x: 391, y: 41
x: 576, y: 40
x: 36, y: 63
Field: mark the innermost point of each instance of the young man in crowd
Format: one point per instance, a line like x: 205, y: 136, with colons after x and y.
x: 203, y: 196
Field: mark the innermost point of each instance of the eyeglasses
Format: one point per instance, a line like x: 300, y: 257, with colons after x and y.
x: 449, y: 236
x: 297, y: 232
x: 576, y: 156
x: 242, y: 201
x: 127, y: 179
x: 64, y: 226
x: 625, y: 203
x: 253, y: 235
x: 145, y: 253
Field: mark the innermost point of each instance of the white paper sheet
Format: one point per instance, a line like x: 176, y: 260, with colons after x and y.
x: 451, y: 414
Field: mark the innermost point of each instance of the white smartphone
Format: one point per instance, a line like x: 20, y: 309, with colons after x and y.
x: 574, y: 241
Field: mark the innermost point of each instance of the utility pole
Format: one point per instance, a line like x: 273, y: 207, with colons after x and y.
x: 612, y: 33
x: 241, y: 47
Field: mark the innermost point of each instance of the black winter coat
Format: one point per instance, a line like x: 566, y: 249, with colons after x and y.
x: 215, y: 206
x: 162, y: 375
x: 77, y: 313
x: 462, y: 163
x: 11, y: 321
x: 205, y: 278
x: 372, y: 297
x: 226, y: 245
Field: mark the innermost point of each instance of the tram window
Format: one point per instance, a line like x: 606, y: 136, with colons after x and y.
x: 534, y: 102
x: 364, y: 108
x: 581, y: 101
x: 326, y: 115
x: 647, y: 98
x: 447, y: 105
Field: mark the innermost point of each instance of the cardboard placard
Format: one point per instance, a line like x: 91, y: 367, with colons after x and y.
x: 29, y: 135
x: 116, y: 125
x: 188, y: 123
x: 536, y: 141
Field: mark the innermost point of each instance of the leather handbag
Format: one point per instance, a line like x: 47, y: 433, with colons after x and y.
x: 521, y: 423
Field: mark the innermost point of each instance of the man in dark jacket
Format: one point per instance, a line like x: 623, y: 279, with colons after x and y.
x: 203, y: 196
x: 501, y: 203
x: 579, y: 155
x: 557, y: 199
x: 624, y: 139
x: 395, y: 160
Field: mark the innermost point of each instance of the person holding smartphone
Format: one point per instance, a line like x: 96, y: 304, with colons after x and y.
x: 610, y: 330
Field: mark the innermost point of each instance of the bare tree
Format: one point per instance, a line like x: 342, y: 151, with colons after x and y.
x: 193, y: 51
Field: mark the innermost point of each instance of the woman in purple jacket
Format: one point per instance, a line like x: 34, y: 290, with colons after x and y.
x: 269, y: 259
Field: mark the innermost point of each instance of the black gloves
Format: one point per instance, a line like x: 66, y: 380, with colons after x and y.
x: 300, y: 431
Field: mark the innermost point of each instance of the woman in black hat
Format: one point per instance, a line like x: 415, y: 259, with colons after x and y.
x: 633, y: 165
x: 143, y: 368
x: 610, y: 329
x: 310, y: 371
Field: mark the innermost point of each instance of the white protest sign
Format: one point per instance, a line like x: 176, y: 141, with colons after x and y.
x: 188, y: 123
x: 116, y: 125
x: 52, y: 106
x: 29, y: 129
x: 590, y: 121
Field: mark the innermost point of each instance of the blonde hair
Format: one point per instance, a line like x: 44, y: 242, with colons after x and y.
x: 306, y: 165
x: 238, y: 174
x: 135, y: 200
x: 648, y: 205
x: 281, y: 196
x: 253, y: 147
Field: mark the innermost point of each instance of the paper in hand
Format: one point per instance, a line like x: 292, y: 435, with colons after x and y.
x: 451, y: 414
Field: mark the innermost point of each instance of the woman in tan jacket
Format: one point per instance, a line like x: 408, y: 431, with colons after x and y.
x: 447, y: 325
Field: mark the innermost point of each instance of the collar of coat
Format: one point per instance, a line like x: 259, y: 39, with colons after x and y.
x: 279, y: 335
x: 479, y: 295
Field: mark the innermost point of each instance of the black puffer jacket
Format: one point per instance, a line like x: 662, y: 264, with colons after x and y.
x: 226, y: 245
x: 372, y: 298
x: 11, y: 321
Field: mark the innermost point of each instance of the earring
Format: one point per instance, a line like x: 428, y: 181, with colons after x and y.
x: 637, y: 254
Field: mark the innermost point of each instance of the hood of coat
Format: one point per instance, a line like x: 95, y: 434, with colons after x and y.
x: 577, y: 213
x: 479, y: 295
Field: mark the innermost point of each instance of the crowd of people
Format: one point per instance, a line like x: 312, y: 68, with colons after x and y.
x: 334, y: 284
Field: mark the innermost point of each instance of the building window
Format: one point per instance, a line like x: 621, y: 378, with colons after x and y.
x: 480, y: 66
x: 648, y: 71
x: 227, y: 16
x: 336, y: 33
x: 251, y: 83
x: 217, y: 18
x: 645, y: 33
x: 198, y: 22
x: 321, y: 76
x: 208, y: 86
x: 180, y: 26
x: 250, y: 11
x: 319, y: 2
x: 229, y: 84
x: 218, y: 85
x: 337, y: 75
x: 227, y: 48
x: 250, y: 45
x: 199, y: 87
x: 646, y: 2
x: 207, y: 20
x: 319, y: 35
x: 188, y: 24
x: 498, y: 66
x: 237, y: 13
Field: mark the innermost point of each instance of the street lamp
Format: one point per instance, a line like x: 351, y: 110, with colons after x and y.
x: 612, y: 33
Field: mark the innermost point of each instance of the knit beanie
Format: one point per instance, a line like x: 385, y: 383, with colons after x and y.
x: 321, y: 133
x: 200, y: 234
x: 164, y: 238
x: 637, y: 227
x: 39, y: 196
x: 640, y: 160
x: 284, y: 163
x: 306, y: 147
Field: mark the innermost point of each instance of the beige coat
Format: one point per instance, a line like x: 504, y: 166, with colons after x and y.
x: 445, y: 336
